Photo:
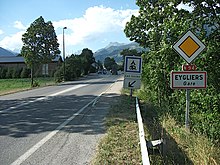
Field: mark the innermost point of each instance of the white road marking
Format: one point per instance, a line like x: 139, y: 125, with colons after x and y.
x: 27, y: 154
x: 69, y: 89
x: 23, y: 157
x: 43, y: 98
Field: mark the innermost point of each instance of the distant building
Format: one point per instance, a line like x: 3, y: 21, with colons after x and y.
x: 19, y: 62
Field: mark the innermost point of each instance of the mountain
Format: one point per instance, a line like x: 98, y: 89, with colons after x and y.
x: 4, y: 52
x: 113, y: 50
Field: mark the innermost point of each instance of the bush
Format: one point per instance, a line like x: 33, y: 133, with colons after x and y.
x: 3, y: 73
x: 58, y: 75
x: 16, y: 73
x: 36, y: 83
x: 92, y: 69
x: 25, y: 73
x: 9, y: 73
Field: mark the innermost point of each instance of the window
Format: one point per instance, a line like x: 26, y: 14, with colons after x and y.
x: 45, y: 69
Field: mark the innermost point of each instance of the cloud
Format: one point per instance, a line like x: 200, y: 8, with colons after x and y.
x: 1, y: 32
x: 96, y: 21
x: 12, y: 42
x: 19, y: 25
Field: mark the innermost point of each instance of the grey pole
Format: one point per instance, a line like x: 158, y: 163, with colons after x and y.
x: 187, y: 125
x: 64, y: 69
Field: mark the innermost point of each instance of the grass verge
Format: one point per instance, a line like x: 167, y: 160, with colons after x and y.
x: 181, y: 146
x: 14, y: 85
x: 121, y: 143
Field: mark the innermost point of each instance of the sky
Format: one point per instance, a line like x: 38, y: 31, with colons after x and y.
x: 90, y: 24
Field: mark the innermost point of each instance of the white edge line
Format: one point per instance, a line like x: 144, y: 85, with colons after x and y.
x: 27, y: 154
x: 33, y: 149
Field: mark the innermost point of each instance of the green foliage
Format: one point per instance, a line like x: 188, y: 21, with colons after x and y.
x: 160, y: 24
x: 109, y: 63
x: 77, y: 65
x: 16, y: 73
x: 40, y: 44
x: 87, y: 60
x: 99, y: 64
x: 3, y: 72
x: 25, y: 72
x: 36, y: 83
x: 9, y: 73
x: 58, y: 75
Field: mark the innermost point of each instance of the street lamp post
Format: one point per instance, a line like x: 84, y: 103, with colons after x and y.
x: 64, y: 69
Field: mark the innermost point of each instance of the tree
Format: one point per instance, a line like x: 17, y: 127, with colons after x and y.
x: 87, y: 60
x: 74, y: 67
x: 159, y: 24
x: 100, y: 66
x: 40, y: 44
x: 109, y: 63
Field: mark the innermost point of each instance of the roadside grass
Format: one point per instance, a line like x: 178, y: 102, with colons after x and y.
x: 121, y: 145
x: 198, y: 148
x: 181, y: 146
x: 14, y: 85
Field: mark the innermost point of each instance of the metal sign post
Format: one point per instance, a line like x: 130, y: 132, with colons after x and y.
x: 187, y: 125
x: 131, y: 91
x: 132, y: 74
x: 188, y: 47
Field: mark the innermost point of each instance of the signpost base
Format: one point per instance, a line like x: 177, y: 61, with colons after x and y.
x: 131, y: 91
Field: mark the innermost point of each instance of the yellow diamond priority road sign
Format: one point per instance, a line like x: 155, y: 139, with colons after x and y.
x: 189, y: 46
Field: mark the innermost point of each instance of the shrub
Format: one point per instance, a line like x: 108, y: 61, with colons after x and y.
x: 25, y: 73
x: 58, y: 75
x: 16, y: 72
x: 9, y: 73
x: 3, y: 73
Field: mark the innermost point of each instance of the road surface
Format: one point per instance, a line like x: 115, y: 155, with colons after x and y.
x: 55, y: 125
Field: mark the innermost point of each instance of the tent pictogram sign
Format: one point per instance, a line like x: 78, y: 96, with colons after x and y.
x: 133, y: 64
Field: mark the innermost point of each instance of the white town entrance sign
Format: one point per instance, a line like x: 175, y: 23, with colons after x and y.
x: 188, y: 79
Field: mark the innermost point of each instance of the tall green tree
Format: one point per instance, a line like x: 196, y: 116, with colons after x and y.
x: 40, y: 44
x: 87, y: 59
x: 109, y: 63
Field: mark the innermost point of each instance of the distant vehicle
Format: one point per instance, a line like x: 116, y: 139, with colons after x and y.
x: 102, y: 71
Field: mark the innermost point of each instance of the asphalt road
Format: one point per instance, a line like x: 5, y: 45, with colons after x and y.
x: 55, y: 124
